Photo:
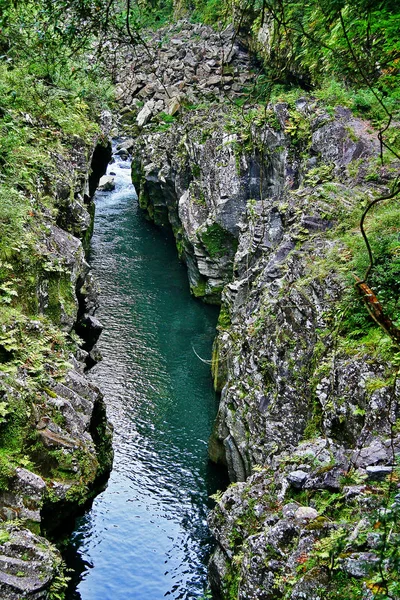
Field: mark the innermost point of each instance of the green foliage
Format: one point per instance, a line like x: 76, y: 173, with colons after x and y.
x: 383, y: 234
x: 148, y: 14
x: 37, y: 346
x: 4, y: 536
x: 6, y: 471
x: 165, y: 121
x: 346, y: 53
x: 224, y: 318
x: 210, y: 11
x: 319, y: 175
x: 59, y: 584
x: 50, y: 96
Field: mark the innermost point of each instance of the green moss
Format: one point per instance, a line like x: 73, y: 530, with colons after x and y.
x: 7, y: 471
x: 224, y: 318
x: 50, y: 392
x: 232, y: 583
x: 196, y: 170
x: 180, y: 246
x: 319, y: 175
x: 144, y: 201
x: 218, y: 241
x: 199, y: 290
x: 299, y: 129
x: 61, y: 297
x: 4, y: 536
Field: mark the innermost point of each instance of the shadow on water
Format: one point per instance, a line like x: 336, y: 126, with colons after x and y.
x: 146, y: 537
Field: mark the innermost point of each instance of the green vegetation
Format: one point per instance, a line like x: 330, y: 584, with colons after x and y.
x: 307, y: 43
x: 51, y: 96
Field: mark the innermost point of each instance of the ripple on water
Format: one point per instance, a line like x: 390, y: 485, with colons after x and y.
x: 146, y: 537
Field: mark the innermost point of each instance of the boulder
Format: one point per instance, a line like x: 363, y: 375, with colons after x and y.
x: 146, y: 113
x: 304, y: 514
x: 174, y: 106
x: 106, y: 184
x: 31, y: 575
x: 297, y: 478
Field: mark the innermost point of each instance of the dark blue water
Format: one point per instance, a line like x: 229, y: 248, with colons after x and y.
x: 145, y: 537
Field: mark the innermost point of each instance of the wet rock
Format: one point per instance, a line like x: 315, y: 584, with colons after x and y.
x: 106, y: 183
x: 89, y: 328
x: 126, y: 145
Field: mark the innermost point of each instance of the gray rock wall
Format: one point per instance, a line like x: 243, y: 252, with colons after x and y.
x: 55, y: 436
x: 260, y: 200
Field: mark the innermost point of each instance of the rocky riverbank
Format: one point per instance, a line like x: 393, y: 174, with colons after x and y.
x: 265, y: 203
x: 55, y: 440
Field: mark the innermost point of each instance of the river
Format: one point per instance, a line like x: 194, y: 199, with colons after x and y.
x: 145, y: 537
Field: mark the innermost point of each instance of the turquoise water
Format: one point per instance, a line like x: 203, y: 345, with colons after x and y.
x: 145, y: 538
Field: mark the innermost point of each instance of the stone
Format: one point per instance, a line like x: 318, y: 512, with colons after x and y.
x: 89, y: 329
x: 215, y: 80
x: 297, y: 478
x: 31, y: 576
x: 289, y: 510
x: 29, y: 483
x: 173, y: 106
x: 106, y: 184
x: 123, y: 153
x: 146, y: 113
x: 373, y: 454
x: 304, y: 514
x: 359, y: 564
x: 126, y: 145
x: 378, y: 473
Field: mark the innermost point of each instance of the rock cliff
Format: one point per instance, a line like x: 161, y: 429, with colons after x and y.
x: 265, y: 203
x: 55, y: 439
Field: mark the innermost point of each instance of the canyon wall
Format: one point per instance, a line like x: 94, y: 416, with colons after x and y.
x: 55, y: 439
x: 265, y: 201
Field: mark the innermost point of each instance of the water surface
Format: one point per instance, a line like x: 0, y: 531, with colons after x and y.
x: 145, y: 537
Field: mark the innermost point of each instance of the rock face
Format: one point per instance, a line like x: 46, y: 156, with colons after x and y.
x: 181, y: 64
x: 27, y: 565
x: 174, y: 166
x: 55, y: 439
x: 178, y: 183
x: 260, y: 201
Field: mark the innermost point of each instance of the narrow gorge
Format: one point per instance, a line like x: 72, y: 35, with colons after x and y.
x: 239, y: 319
x: 147, y: 534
